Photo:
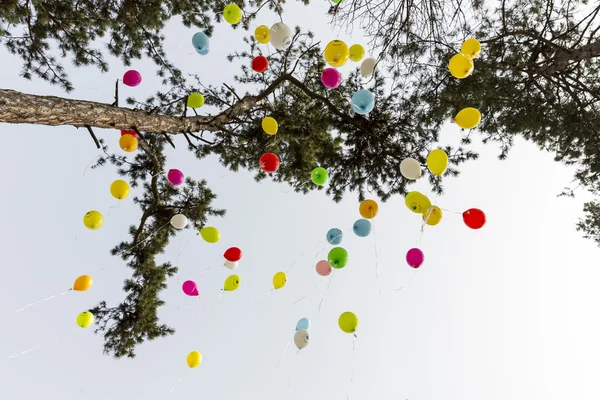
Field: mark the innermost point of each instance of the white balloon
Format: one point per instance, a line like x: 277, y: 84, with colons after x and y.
x: 281, y: 36
x: 179, y: 221
x: 301, y: 338
x: 367, y: 68
x: 410, y: 168
x: 231, y: 264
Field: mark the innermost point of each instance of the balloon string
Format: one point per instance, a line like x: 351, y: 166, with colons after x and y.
x: 281, y: 358
x: 181, y: 250
x: 149, y: 236
x: 326, y: 290
x: 287, y: 392
x: 454, y: 212
x: 113, y: 208
x: 353, y: 367
x: 263, y: 295
x: 376, y: 259
x: 178, y: 382
x: 406, y: 284
x: 74, y: 240
x: 211, y: 304
x: 43, y: 301
x: 87, y: 166
x: 34, y: 347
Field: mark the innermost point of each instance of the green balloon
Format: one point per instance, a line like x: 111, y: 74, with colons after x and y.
x: 338, y: 257
x: 336, y: 1
x: 319, y: 176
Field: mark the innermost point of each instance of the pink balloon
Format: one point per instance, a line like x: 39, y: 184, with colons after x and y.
x: 331, y: 78
x: 132, y: 78
x: 175, y: 176
x: 190, y: 288
x: 415, y: 257
x: 323, y: 268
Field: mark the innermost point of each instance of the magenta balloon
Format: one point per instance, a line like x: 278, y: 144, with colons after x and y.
x: 175, y: 176
x: 331, y: 78
x: 323, y: 268
x: 190, y: 288
x: 415, y: 257
x: 132, y: 78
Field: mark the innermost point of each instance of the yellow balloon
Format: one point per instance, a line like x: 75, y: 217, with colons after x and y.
x: 357, y: 52
x: 83, y: 283
x: 231, y: 283
x: 210, y: 234
x: 468, y: 118
x: 119, y: 189
x: 348, y: 322
x: 279, y: 280
x: 262, y: 34
x: 85, y: 319
x: 195, y: 100
x: 461, y: 66
x: 336, y: 53
x: 437, y: 161
x: 432, y: 216
x: 368, y: 209
x: 417, y: 202
x: 194, y: 359
x: 128, y: 143
x: 471, y: 48
x: 93, y: 220
x: 269, y: 125
x: 232, y: 13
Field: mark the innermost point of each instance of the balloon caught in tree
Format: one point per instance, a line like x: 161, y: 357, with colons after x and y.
x: 319, y: 176
x: 232, y: 13
x: 269, y: 163
x: 363, y: 102
x: 132, y: 78
x: 201, y: 43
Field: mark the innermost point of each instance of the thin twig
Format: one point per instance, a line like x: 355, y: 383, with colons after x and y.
x: 93, y: 135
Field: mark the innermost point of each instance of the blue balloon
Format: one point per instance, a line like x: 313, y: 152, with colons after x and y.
x: 363, y: 102
x: 303, y: 323
x: 362, y: 228
x: 334, y: 236
x: 201, y: 43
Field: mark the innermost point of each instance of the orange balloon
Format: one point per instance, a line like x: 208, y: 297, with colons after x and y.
x: 368, y: 209
x: 83, y: 283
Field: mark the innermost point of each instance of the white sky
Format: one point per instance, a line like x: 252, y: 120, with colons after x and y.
x: 506, y: 312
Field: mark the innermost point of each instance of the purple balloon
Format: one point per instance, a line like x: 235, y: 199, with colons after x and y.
x: 175, y: 176
x: 190, y: 288
x: 415, y: 257
x: 331, y: 78
x: 132, y: 78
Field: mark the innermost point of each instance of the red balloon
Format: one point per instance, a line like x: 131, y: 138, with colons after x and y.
x: 126, y: 132
x: 474, y: 218
x: 260, y: 64
x: 233, y: 254
x: 269, y: 162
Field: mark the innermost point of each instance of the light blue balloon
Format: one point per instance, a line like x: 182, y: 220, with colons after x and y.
x: 363, y: 102
x: 334, y: 236
x: 201, y: 43
x: 362, y: 228
x: 303, y: 323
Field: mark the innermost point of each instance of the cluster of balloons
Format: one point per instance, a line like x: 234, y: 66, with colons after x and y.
x: 301, y: 337
x: 279, y: 35
x: 461, y: 65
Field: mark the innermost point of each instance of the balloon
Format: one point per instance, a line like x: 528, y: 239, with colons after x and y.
x: 281, y: 36
x: 190, y: 288
x: 175, y: 177
x: 128, y: 143
x: 233, y: 254
x: 194, y: 359
x: 415, y: 257
x: 410, y: 169
x: 279, y: 280
x: 195, y: 100
x: 348, y: 322
x: 201, y: 42
x: 334, y: 236
x: 93, y: 220
x: 336, y: 1
x: 129, y: 132
x: 468, y: 118
x: 432, y: 216
x: 367, y: 67
x: 303, y: 323
x: 338, y: 257
x: 262, y: 34
x: 210, y: 234
x: 301, y: 338
x: 230, y: 264
x: 474, y: 218
x: 437, y: 161
x: 260, y: 64
x: 362, y: 228
x: 179, y: 221
x: 336, y: 53
x: 323, y: 268
x: 232, y: 13
x: 231, y: 283
x: 119, y: 189
x: 85, y: 319
x: 132, y: 78
x: 471, y: 48
x: 357, y: 52
x: 319, y: 176
x: 331, y: 78
x: 269, y: 125
x: 461, y: 66
x: 368, y: 209
x: 363, y: 102
x: 269, y: 162
x: 417, y: 202
x: 83, y: 283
